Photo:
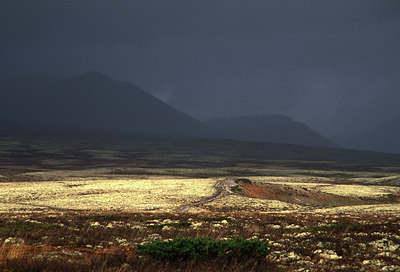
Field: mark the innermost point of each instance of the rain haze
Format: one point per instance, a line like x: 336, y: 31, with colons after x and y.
x: 333, y: 65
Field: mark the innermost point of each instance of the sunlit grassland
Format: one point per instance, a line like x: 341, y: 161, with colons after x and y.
x: 84, y: 204
x: 166, y: 193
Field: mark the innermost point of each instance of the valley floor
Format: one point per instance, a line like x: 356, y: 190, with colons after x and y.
x: 167, y: 194
x: 83, y: 204
x: 83, y: 224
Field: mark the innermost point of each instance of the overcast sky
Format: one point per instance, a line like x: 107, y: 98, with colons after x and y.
x: 333, y: 64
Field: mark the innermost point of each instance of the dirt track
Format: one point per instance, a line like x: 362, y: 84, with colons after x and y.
x: 307, y: 197
x: 223, y: 187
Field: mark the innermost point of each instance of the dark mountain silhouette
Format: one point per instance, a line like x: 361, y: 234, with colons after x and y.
x: 269, y: 128
x: 385, y: 137
x: 91, y: 101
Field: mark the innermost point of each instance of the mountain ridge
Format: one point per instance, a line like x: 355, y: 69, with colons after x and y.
x: 384, y: 138
x: 95, y: 101
x: 273, y: 128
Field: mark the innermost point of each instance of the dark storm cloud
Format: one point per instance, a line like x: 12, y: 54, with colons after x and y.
x: 329, y: 63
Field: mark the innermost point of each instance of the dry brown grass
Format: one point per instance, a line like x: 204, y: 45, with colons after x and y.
x: 107, y: 242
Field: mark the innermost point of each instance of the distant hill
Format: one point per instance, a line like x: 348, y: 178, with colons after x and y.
x: 385, y: 137
x: 269, y: 128
x: 93, y: 102
x: 90, y: 101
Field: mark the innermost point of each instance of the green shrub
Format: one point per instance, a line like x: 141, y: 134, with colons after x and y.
x: 203, y: 248
x: 237, y: 188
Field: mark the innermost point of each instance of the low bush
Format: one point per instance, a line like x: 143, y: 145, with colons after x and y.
x: 182, y: 248
x: 237, y: 188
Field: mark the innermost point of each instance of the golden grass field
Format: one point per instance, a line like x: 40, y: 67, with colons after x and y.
x: 166, y: 193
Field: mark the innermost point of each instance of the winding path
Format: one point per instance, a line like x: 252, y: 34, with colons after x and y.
x: 223, y: 187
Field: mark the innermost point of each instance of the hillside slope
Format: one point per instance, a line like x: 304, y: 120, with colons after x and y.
x: 269, y: 128
x: 92, y: 101
x: 381, y: 138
